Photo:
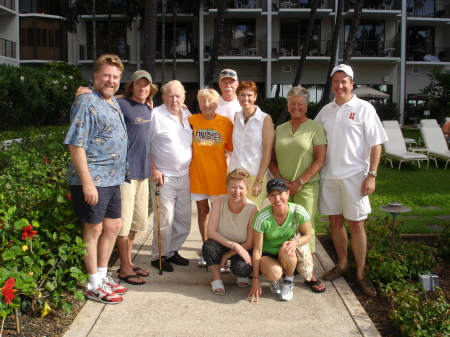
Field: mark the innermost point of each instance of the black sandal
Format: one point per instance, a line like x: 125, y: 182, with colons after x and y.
x: 317, y: 283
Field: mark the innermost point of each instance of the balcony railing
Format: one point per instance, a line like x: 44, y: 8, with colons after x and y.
x: 8, y: 48
x: 438, y: 9
x: 428, y: 54
x: 236, y: 48
x: 10, y: 4
x: 374, y: 4
x: 184, y: 51
x: 294, y: 48
x: 87, y: 51
x: 373, y: 48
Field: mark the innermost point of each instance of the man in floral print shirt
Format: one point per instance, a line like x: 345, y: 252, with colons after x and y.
x: 97, y: 140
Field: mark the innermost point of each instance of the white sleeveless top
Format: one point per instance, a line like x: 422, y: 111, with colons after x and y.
x: 234, y: 226
x: 248, y: 142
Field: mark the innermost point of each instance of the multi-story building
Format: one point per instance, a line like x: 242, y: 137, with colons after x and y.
x: 397, y: 43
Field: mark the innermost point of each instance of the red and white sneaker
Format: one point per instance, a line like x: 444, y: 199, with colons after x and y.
x: 117, y: 288
x: 104, y: 294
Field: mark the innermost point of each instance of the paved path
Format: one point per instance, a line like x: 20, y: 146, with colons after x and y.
x: 181, y: 304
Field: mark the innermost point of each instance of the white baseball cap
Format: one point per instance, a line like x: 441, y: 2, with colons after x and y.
x: 345, y: 68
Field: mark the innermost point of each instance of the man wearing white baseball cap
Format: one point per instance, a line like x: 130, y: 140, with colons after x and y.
x: 355, y: 134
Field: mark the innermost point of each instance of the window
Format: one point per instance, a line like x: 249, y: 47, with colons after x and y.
x: 369, y: 39
x: 238, y: 37
x: 183, y: 40
x: 292, y: 35
x: 118, y: 37
x: 420, y: 42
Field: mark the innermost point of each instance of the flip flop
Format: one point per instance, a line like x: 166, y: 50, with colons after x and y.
x: 216, y: 286
x: 127, y: 280
x: 317, y: 283
x: 136, y: 270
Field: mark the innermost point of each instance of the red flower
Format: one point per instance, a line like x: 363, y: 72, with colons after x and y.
x: 69, y: 196
x: 46, y: 161
x: 28, y: 232
x: 8, y: 291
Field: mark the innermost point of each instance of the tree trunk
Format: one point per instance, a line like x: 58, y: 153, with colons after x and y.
x: 174, y: 40
x: 218, y: 34
x: 150, y: 24
x: 163, y: 43
x: 305, y: 51
x: 334, y: 45
x: 352, y: 33
x: 94, y: 36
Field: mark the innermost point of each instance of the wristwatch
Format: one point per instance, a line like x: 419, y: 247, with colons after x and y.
x: 374, y: 173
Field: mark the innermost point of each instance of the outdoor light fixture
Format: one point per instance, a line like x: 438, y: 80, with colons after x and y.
x: 429, y: 282
x: 395, y: 208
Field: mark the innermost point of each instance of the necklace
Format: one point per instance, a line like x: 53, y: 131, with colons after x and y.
x: 247, y: 118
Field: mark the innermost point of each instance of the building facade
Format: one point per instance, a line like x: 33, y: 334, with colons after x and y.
x: 397, y: 42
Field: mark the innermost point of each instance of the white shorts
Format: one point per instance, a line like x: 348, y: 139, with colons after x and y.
x: 343, y: 196
x: 200, y: 197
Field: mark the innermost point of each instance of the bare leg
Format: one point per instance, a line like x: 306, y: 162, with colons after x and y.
x: 111, y: 228
x: 340, y: 239
x: 288, y: 263
x: 91, y: 235
x: 203, y: 214
x: 359, y: 246
x: 271, y: 268
x: 126, y: 267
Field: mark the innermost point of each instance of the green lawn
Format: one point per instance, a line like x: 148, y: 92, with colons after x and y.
x: 417, y: 188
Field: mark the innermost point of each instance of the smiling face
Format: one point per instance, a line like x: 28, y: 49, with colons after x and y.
x: 237, y: 190
x: 107, y: 80
x: 247, y: 99
x: 173, y: 97
x: 207, y: 105
x: 297, y: 106
x: 228, y: 87
x: 141, y: 90
x: 342, y: 86
x: 279, y: 200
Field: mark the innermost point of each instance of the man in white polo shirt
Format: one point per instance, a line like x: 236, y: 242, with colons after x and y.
x: 355, y: 134
x: 228, y: 103
x: 171, y: 155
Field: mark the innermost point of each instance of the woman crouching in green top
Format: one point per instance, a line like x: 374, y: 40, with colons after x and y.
x: 273, y: 251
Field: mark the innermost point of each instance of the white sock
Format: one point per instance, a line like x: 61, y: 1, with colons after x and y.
x: 289, y: 278
x: 94, y: 280
x: 102, y: 272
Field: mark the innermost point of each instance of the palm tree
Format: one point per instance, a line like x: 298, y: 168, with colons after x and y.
x: 353, y: 30
x: 150, y: 31
x: 218, y: 34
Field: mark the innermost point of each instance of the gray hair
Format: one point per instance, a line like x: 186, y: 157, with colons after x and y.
x: 208, y: 92
x: 172, y: 83
x: 298, y: 91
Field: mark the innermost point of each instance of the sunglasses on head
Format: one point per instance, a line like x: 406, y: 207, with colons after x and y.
x: 229, y: 73
x: 277, y: 183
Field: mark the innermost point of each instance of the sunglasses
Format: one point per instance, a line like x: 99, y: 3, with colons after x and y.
x: 228, y: 73
x: 277, y: 184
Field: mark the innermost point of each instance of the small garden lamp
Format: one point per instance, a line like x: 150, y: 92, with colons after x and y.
x: 395, y: 208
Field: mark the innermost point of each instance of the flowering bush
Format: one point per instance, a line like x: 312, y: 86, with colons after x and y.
x: 40, y: 241
x: 37, y: 96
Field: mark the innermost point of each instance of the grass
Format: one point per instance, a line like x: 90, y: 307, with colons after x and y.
x: 426, y: 192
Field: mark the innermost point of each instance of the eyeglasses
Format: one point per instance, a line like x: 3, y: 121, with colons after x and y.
x: 277, y: 184
x: 228, y: 73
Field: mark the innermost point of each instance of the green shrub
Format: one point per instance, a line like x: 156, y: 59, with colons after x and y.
x: 37, y: 96
x: 386, y: 111
x: 444, y: 239
x: 416, y: 315
x: 40, y: 239
x: 273, y: 106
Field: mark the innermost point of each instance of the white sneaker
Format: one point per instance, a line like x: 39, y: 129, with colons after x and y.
x: 275, y: 287
x: 287, y: 291
x: 104, y: 294
x: 201, y: 262
x: 117, y: 288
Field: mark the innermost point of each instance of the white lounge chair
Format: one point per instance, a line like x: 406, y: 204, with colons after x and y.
x: 395, y: 147
x: 429, y: 123
x: 436, y: 144
x: 394, y: 124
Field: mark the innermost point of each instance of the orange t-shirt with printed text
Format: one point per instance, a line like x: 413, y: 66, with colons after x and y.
x: 208, y: 170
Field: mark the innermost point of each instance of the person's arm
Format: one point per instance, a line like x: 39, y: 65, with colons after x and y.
x: 320, y: 152
x: 291, y: 245
x: 256, y: 290
x: 368, y: 186
x: 82, y: 91
x: 273, y: 167
x: 157, y: 175
x: 267, y: 133
x: 79, y: 160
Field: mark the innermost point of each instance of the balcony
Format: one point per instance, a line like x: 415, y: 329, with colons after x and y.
x: 294, y: 48
x: 374, y: 5
x: 10, y: 4
x: 87, y: 51
x: 373, y: 48
x: 236, y: 48
x: 428, y: 54
x: 184, y: 51
x: 426, y: 9
x: 8, y: 48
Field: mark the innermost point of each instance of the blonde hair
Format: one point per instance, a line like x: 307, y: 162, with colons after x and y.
x: 208, y: 92
x: 298, y: 91
x: 239, y: 174
x: 109, y: 59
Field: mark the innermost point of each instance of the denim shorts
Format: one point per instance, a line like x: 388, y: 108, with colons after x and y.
x: 109, y: 204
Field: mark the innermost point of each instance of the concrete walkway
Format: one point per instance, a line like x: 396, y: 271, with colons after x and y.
x: 181, y: 303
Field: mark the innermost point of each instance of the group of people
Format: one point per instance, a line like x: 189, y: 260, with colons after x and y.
x: 220, y: 158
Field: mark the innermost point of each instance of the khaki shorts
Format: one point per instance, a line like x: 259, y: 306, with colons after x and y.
x: 343, y: 196
x: 134, y: 206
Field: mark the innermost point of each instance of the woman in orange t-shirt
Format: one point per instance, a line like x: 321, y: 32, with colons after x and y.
x: 212, y: 137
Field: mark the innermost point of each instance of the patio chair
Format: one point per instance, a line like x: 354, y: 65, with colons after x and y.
x: 435, y: 143
x: 429, y: 123
x: 395, y: 147
x: 394, y: 125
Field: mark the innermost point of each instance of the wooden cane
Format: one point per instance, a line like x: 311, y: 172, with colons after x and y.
x: 158, y: 219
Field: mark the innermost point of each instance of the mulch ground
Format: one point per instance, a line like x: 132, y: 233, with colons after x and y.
x: 57, y: 322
